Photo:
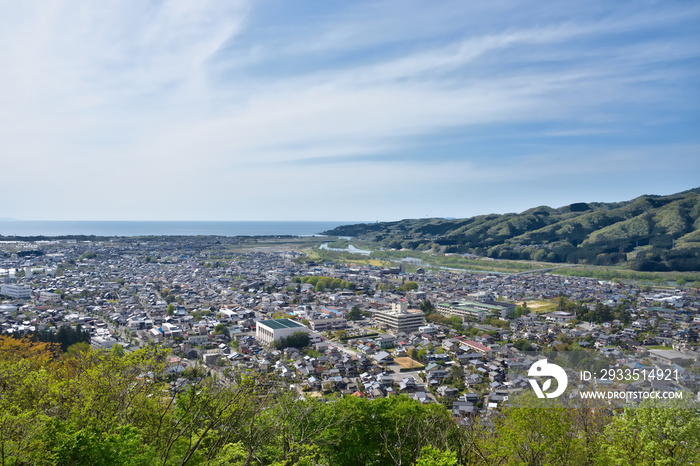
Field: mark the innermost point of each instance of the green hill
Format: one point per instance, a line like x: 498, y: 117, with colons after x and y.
x: 89, y: 407
x: 649, y: 233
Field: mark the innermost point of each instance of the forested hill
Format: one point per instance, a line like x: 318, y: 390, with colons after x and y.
x: 651, y: 233
x: 87, y: 407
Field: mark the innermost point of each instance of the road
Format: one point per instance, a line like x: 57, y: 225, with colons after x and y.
x: 343, y: 347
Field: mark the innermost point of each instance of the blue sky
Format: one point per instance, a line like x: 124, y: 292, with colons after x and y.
x: 281, y: 110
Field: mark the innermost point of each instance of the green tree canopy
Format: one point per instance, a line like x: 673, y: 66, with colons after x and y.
x: 296, y: 340
x: 354, y: 314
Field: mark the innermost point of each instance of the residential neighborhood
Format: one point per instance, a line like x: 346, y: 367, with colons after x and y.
x: 438, y: 336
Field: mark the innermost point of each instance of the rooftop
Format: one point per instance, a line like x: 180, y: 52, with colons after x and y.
x: 277, y: 324
x: 476, y: 345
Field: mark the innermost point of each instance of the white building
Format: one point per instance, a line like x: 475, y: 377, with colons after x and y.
x: 48, y: 297
x: 331, y: 323
x: 104, y: 342
x: 155, y: 334
x: 467, y: 310
x: 171, y: 330
x: 266, y: 331
x: 16, y: 291
x: 560, y: 317
x: 400, y: 319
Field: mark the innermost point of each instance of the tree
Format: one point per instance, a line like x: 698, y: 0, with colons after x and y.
x: 455, y: 321
x: 385, y: 431
x: 437, y: 318
x: 76, y: 350
x: 120, y: 408
x: 562, y: 303
x: 521, y: 310
x: 426, y: 306
x: 170, y: 309
x: 408, y: 286
x: 65, y: 336
x: 430, y: 456
x: 523, y: 345
x: 658, y: 432
x: 296, y: 340
x: 354, y: 314
x: 535, y: 434
x: 299, y: 426
x: 386, y: 287
x: 90, y: 446
x: 456, y: 373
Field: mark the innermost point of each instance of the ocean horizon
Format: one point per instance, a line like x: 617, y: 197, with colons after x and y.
x: 165, y: 228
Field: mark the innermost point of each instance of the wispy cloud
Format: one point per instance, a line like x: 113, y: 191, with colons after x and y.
x: 166, y: 101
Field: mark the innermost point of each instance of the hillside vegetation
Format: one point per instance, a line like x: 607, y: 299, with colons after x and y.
x: 87, y: 407
x: 649, y: 233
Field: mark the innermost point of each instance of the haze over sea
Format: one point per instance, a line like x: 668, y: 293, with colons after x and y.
x: 180, y: 228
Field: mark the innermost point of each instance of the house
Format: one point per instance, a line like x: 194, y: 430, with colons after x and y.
x: 473, y: 379
x: 447, y: 391
x: 478, y: 347
x: 382, y: 357
x: 463, y: 409
x: 385, y: 341
x: 421, y: 396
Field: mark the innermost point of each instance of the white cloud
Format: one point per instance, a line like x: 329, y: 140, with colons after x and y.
x: 170, y: 104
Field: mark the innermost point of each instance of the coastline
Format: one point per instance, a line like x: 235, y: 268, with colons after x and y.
x: 105, y: 229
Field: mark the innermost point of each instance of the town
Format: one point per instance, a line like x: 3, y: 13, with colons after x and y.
x: 330, y: 328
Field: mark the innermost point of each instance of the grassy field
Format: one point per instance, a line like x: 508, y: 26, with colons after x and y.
x: 427, y: 260
x: 457, y: 261
x: 541, y: 306
x: 408, y: 363
x: 691, y: 279
x: 271, y: 243
x: 319, y: 254
x: 430, y: 260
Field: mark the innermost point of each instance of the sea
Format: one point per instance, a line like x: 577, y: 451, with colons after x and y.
x: 164, y: 228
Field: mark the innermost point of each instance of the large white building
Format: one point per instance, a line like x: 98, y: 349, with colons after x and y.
x: 462, y: 310
x: 474, y: 310
x: 266, y: 331
x: 16, y: 291
x: 560, y: 317
x: 400, y: 319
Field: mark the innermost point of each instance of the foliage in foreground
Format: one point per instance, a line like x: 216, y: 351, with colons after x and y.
x: 113, y: 408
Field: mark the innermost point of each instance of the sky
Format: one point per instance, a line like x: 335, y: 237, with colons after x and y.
x: 344, y: 110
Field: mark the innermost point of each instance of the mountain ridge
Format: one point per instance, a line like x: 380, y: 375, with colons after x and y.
x: 649, y: 233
